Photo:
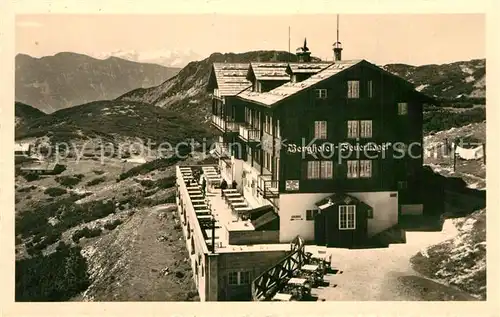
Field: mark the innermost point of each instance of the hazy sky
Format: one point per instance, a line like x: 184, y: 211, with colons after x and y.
x: 413, y: 39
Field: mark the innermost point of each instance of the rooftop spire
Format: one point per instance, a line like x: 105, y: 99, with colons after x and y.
x: 337, y: 46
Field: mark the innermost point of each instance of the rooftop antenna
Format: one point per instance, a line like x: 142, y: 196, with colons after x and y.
x: 337, y: 46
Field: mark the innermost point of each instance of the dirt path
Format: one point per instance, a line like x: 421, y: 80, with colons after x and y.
x: 386, y: 273
x: 129, y: 262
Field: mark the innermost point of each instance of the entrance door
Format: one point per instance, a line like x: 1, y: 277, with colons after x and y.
x: 320, y: 229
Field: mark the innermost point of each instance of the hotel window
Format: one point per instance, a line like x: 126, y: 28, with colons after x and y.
x: 313, y: 168
x: 353, y: 89
x: 310, y: 214
x: 326, y: 170
x: 277, y: 129
x: 232, y: 278
x: 365, y: 170
x: 267, y: 161
x: 370, y: 89
x: 402, y: 108
x: 321, y: 93
x: 268, y: 124
x: 244, y: 277
x: 353, y: 129
x: 319, y: 170
x: 320, y: 130
x: 352, y: 169
x: 365, y: 128
x: 347, y: 217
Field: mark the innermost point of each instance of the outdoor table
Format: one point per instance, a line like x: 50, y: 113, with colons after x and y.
x: 203, y: 212
x: 198, y: 201
x: 230, y: 190
x: 235, y: 199
x: 232, y: 195
x: 310, y: 267
x: 200, y: 206
x: 236, y: 205
x: 282, y: 297
x: 242, y: 209
x: 297, y: 281
x: 196, y: 196
x: 194, y: 193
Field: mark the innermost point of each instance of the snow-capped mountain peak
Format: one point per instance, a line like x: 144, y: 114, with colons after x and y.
x: 165, y: 57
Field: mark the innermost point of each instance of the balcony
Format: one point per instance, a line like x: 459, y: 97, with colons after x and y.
x: 267, y: 186
x: 224, y: 125
x: 249, y: 134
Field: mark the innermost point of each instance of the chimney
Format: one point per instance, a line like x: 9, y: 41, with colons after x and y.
x: 337, y: 46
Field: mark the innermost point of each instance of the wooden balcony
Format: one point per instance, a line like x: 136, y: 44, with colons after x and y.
x: 267, y: 186
x: 224, y: 125
x: 249, y: 134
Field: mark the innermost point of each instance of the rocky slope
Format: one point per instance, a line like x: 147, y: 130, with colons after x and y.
x: 464, y: 79
x: 460, y: 261
x: 67, y: 79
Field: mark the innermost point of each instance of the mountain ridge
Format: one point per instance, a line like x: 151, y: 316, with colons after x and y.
x: 65, y: 79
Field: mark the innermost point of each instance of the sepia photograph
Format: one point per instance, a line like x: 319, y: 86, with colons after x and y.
x: 259, y: 158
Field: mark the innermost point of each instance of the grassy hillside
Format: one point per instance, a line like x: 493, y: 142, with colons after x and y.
x: 25, y: 113
x: 112, y: 119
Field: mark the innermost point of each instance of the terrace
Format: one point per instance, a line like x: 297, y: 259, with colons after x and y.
x: 226, y: 220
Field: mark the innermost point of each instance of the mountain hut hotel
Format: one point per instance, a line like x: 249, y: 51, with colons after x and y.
x: 318, y: 150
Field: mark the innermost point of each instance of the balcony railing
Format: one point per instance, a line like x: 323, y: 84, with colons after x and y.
x: 267, y: 186
x: 224, y: 125
x: 249, y: 134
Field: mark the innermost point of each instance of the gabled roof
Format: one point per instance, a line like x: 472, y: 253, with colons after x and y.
x: 230, y: 79
x: 268, y: 71
x: 339, y: 199
x: 306, y: 68
x: 286, y: 90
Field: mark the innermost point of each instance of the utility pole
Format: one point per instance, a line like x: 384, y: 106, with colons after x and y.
x: 289, y: 44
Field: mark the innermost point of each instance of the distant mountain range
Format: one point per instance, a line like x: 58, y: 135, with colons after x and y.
x: 67, y: 79
x: 187, y: 93
x: 169, y: 58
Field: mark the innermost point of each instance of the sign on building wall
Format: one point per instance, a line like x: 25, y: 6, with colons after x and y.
x: 341, y: 147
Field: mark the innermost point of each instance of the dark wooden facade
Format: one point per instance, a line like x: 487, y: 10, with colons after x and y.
x: 298, y: 112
